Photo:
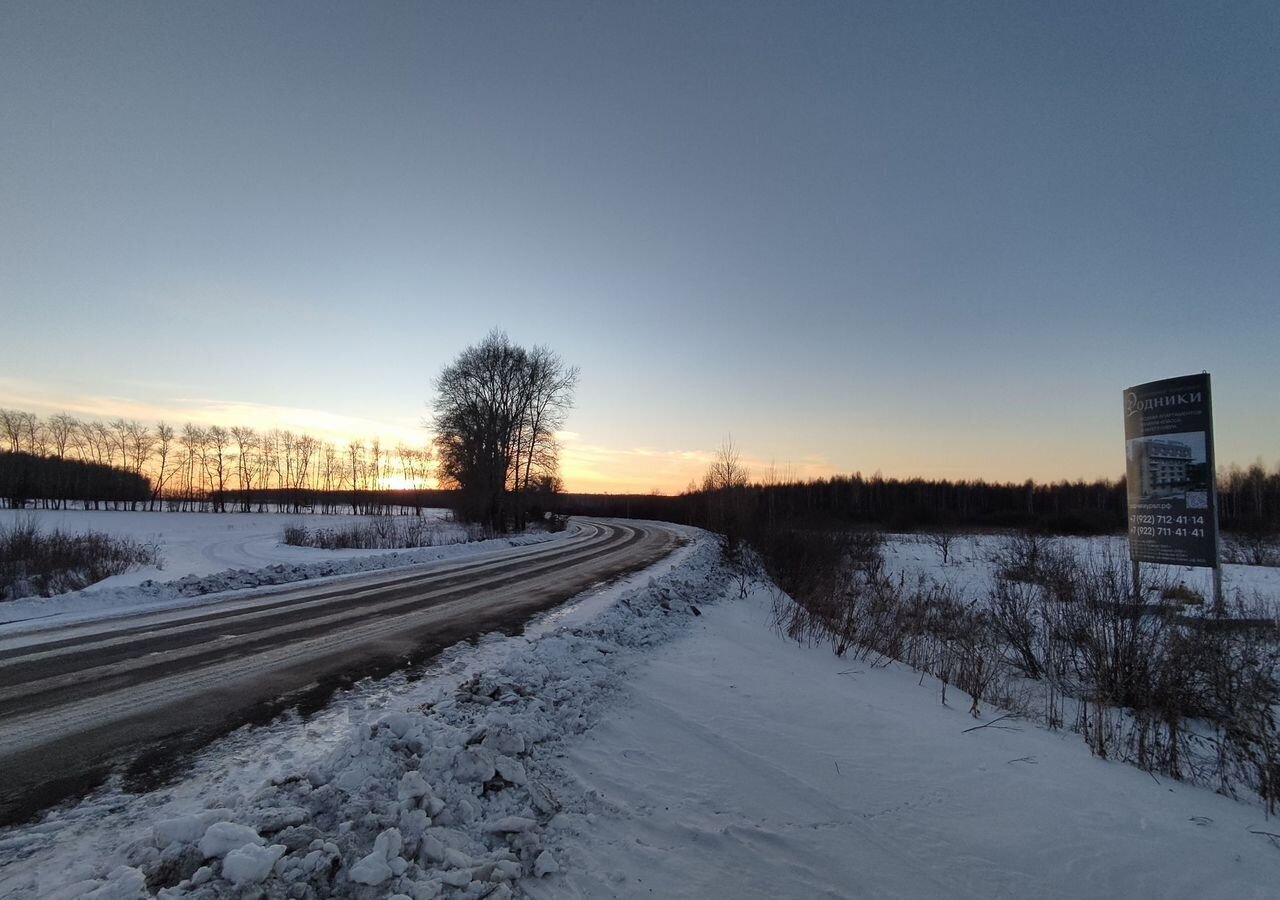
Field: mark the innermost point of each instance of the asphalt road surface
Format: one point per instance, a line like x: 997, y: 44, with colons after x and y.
x: 136, y: 693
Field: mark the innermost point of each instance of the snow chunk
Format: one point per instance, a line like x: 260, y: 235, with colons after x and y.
x: 432, y: 849
x: 413, y: 786
x: 456, y: 878
x: 400, y: 724
x: 474, y: 765
x: 504, y: 740
x: 376, y: 867
x: 371, y: 870
x: 511, y: 825
x: 279, y: 818
x: 186, y: 829
x: 545, y: 864
x: 124, y: 883
x: 511, y: 770
x: 457, y: 859
x: 251, y: 863
x: 223, y: 837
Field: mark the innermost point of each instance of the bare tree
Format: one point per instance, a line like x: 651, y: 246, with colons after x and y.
x: 725, y: 485
x: 193, y: 441
x: 941, y: 539
x: 355, y: 465
x: 304, y: 449
x: 219, y: 442
x: 140, y: 445
x: 547, y: 397
x: 62, y: 429
x: 11, y: 428
x: 246, y: 440
x: 164, y: 441
x: 331, y: 475
x: 494, y: 409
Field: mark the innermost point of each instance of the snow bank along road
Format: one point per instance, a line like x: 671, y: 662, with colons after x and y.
x: 78, y: 701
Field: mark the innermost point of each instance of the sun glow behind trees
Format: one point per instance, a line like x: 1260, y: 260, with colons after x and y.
x: 188, y: 463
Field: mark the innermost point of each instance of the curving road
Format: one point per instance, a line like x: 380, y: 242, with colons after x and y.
x: 79, y: 701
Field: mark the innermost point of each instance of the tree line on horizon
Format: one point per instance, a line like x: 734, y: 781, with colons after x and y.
x: 61, y: 459
x: 1248, y: 500
x: 498, y: 460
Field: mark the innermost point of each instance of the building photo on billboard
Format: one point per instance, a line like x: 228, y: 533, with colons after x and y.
x: 1170, y: 466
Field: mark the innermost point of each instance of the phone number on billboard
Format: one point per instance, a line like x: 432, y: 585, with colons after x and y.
x: 1158, y: 531
x: 1137, y: 519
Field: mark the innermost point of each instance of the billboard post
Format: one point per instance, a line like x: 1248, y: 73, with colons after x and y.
x: 1171, y: 477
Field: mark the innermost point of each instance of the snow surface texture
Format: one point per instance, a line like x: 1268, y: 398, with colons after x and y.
x: 745, y: 766
x: 197, y: 587
x: 449, y: 795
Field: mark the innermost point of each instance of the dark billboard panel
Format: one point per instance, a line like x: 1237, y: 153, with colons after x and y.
x: 1168, y: 435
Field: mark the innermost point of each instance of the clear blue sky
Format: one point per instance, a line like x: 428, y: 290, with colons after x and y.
x: 923, y: 238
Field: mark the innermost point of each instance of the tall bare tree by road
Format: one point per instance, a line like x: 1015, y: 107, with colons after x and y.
x: 497, y: 409
x: 725, y: 486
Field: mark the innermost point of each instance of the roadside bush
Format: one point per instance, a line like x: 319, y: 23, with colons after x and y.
x: 384, y: 533
x: 1257, y: 544
x: 36, y: 563
x: 1180, y: 593
x: 1032, y: 558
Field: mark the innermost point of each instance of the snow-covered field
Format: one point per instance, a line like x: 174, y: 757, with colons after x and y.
x: 203, y: 543
x: 656, y: 738
x: 204, y: 556
x: 969, y: 568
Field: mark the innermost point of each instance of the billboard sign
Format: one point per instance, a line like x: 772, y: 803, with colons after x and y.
x: 1168, y: 434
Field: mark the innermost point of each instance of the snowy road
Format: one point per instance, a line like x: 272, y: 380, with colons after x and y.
x: 77, y: 701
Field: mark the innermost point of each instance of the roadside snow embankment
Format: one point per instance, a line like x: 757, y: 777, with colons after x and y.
x: 450, y: 797
x: 744, y: 765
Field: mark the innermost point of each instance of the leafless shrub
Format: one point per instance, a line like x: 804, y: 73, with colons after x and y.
x: 942, y: 540
x: 1034, y: 559
x: 36, y: 563
x: 1180, y: 593
x: 384, y: 533
x: 1259, y: 546
x: 1018, y: 619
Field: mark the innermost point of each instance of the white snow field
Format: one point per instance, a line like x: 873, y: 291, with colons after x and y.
x: 193, y: 543
x: 204, y: 556
x: 653, y: 739
x: 969, y: 568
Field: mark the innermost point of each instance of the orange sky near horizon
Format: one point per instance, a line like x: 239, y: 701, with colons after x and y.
x: 586, y: 466
x: 589, y: 463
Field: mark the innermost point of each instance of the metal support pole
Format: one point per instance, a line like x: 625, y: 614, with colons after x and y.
x: 1137, y: 582
x: 1219, y: 607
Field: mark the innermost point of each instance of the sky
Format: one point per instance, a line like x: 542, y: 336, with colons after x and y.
x: 933, y: 239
